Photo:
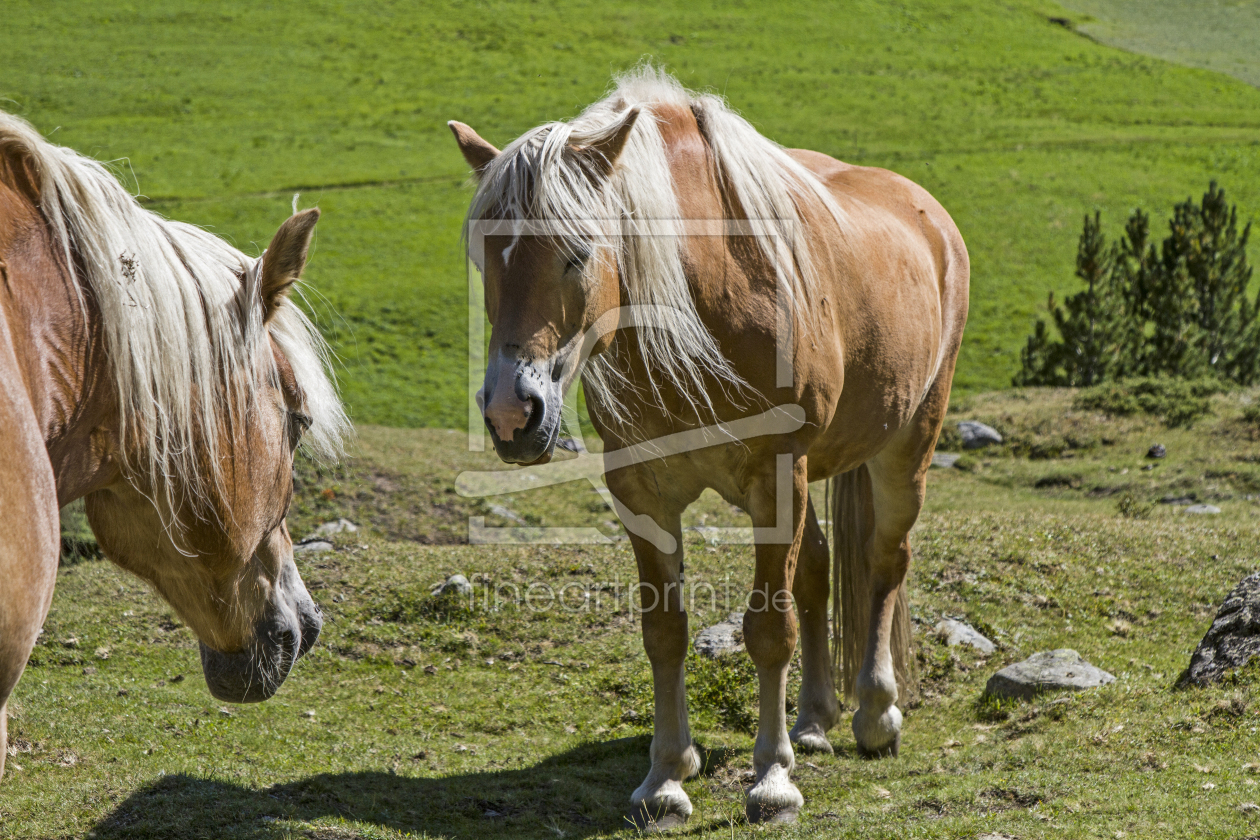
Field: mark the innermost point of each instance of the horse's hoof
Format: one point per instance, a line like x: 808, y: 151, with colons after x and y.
x: 878, y: 736
x: 659, y: 806
x: 887, y: 751
x: 810, y: 739
x: 650, y: 823
x: 766, y: 814
x: 774, y: 799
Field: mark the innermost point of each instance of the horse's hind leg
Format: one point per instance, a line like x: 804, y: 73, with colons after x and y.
x: 770, y: 634
x: 816, y: 705
x: 898, y: 481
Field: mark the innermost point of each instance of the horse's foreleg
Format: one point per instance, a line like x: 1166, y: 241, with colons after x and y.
x: 29, y: 546
x: 817, y: 708
x: 770, y: 636
x: 660, y: 802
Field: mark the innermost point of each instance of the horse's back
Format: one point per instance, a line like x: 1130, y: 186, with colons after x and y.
x: 897, y: 284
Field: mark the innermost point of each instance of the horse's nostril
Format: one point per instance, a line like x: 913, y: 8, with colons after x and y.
x: 537, y: 408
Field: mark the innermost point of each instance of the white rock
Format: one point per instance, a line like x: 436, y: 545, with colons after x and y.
x: 976, y: 435
x: 457, y: 585
x: 1212, y: 509
x: 1049, y: 670
x: 330, y: 528
x: 312, y: 546
x: 958, y: 633
x: 722, y: 638
x: 945, y: 459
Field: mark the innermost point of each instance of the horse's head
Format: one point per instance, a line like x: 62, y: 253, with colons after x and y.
x: 545, y: 290
x: 225, y: 560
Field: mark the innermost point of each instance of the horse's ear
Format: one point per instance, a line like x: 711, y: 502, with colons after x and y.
x: 603, y: 155
x: 476, y: 151
x: 285, y: 259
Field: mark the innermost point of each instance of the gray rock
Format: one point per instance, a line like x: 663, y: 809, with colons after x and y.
x: 1050, y: 670
x: 1203, y: 509
x: 330, y: 528
x: 722, y: 638
x: 1157, y: 450
x: 1233, y: 638
x: 456, y: 585
x: 976, y: 435
x: 311, y: 545
x: 945, y: 459
x: 956, y: 632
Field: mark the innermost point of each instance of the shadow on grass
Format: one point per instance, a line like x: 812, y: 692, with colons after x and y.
x: 578, y: 793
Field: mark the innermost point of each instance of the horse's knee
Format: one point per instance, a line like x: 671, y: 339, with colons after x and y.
x: 770, y: 636
x: 665, y: 635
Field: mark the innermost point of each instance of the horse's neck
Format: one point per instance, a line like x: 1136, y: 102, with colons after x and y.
x: 51, y: 360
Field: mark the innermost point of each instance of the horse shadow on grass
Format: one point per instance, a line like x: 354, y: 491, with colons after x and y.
x: 578, y: 793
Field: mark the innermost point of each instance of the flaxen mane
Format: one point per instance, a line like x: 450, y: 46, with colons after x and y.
x: 182, y: 320
x: 634, y: 217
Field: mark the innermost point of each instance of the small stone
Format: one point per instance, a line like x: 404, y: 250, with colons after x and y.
x: 1232, y: 640
x: 976, y: 435
x: 507, y: 513
x: 722, y: 638
x: 1156, y: 451
x: 945, y: 459
x: 312, y: 546
x: 1050, y: 670
x: 955, y: 632
x: 70, y: 642
x: 89, y: 671
x: 102, y: 653
x: 309, y: 713
x: 456, y: 585
x: 337, y: 527
x: 1208, y: 509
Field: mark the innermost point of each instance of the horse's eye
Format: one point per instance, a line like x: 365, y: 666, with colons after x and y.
x: 577, y: 259
x: 299, y: 424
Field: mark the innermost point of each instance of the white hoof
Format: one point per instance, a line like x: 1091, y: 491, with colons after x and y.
x: 659, y: 805
x: 774, y: 798
x: 810, y: 738
x: 878, y: 735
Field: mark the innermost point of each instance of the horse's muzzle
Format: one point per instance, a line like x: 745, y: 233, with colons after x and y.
x: 286, y: 633
x: 532, y: 402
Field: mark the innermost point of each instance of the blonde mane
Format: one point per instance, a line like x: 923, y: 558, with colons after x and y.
x: 181, y: 314
x: 633, y: 216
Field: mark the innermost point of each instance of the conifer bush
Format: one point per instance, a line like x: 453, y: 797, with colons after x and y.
x: 1178, y: 310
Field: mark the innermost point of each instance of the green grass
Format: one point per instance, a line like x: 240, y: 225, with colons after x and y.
x: 413, y: 717
x: 221, y: 111
x: 1218, y: 35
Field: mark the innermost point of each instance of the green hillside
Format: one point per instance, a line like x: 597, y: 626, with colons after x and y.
x: 1219, y: 35
x: 221, y: 111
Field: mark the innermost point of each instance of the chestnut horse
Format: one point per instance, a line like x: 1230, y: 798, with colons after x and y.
x: 712, y: 275
x: 153, y: 369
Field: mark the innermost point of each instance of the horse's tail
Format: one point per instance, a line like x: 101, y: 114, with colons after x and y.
x: 853, y: 518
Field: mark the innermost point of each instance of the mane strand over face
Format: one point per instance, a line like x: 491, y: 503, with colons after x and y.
x: 183, y: 326
x: 633, y: 217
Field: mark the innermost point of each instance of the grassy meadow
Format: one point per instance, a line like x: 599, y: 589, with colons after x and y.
x: 509, y: 718
x: 220, y: 112
x: 416, y: 717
